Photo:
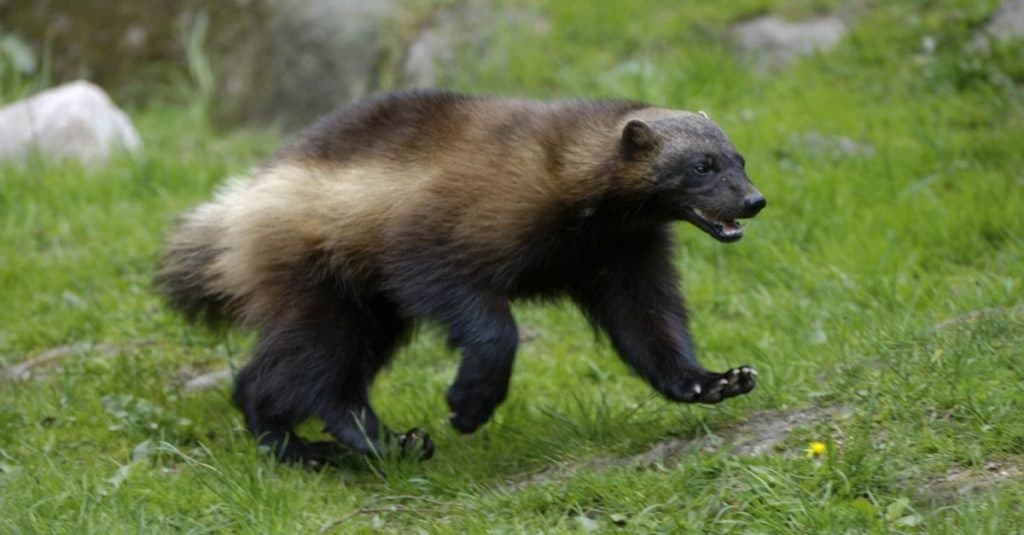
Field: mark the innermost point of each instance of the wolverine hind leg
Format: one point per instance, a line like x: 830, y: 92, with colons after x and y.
x: 273, y: 428
x: 318, y: 358
x: 372, y: 333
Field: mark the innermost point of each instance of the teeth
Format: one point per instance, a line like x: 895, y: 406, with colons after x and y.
x: 730, y: 227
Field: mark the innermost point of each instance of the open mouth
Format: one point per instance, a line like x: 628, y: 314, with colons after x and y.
x: 725, y: 230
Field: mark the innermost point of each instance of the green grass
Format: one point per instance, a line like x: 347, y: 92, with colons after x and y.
x: 889, y: 284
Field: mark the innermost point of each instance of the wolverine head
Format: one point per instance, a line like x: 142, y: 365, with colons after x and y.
x: 691, y: 171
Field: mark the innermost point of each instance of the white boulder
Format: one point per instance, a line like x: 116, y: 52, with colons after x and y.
x: 74, y: 120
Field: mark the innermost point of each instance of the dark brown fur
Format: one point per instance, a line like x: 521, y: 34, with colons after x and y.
x: 440, y: 207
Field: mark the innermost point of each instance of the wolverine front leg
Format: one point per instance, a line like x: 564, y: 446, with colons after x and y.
x: 636, y: 301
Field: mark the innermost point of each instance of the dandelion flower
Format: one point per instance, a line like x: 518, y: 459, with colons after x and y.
x: 816, y: 448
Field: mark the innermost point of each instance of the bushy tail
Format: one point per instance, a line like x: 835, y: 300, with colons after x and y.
x: 185, y: 273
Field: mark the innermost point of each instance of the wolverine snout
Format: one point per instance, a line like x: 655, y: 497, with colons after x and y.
x: 753, y: 204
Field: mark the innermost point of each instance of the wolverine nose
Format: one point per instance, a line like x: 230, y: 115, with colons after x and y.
x: 754, y: 203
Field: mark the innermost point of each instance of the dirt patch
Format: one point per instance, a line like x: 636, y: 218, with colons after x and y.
x: 959, y: 482
x: 32, y: 367
x: 973, y: 316
x: 762, y: 432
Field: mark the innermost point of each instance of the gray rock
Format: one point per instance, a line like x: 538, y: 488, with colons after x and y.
x: 430, y: 57
x: 1006, y: 23
x: 74, y: 120
x: 316, y: 55
x: 433, y: 47
x: 311, y: 57
x: 775, y: 41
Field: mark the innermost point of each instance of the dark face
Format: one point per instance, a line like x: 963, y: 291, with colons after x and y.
x: 695, y: 173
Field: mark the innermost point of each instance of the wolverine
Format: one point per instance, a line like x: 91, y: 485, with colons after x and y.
x: 443, y: 208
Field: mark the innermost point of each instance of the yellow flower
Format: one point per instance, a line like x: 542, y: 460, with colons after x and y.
x: 816, y: 448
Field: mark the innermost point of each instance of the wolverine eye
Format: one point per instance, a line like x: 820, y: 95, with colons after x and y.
x: 702, y: 167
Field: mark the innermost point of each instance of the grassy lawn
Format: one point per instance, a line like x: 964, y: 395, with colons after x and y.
x: 880, y: 296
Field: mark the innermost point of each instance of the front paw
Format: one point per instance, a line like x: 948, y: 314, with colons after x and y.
x: 716, y: 387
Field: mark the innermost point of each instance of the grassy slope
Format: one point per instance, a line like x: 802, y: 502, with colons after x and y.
x: 834, y: 294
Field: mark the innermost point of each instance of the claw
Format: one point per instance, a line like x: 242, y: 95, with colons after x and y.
x: 415, y: 439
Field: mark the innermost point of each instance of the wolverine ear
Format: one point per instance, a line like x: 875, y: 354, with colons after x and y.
x: 637, y: 136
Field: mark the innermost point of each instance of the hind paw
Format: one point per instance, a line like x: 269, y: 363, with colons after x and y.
x: 413, y: 444
x: 719, y: 386
x: 314, y: 455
